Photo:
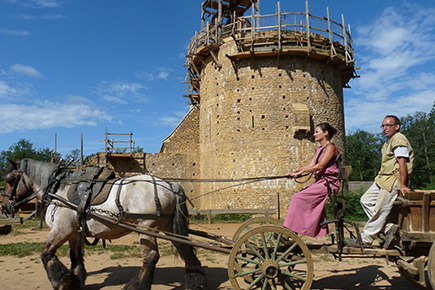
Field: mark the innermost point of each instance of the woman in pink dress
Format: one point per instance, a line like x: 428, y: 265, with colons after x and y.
x: 307, y: 207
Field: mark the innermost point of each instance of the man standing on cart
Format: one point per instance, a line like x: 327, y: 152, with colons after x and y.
x: 394, y: 177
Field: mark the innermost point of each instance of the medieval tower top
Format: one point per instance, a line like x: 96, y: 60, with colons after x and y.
x: 261, y: 84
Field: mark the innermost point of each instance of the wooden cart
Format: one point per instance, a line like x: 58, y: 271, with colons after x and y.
x: 264, y: 252
x: 414, y: 247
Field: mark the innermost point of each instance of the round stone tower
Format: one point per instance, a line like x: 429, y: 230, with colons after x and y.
x: 261, y: 84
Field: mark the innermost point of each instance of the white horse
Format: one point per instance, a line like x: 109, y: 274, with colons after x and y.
x: 145, y: 201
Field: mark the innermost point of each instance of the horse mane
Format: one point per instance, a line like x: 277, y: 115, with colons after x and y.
x: 39, y: 171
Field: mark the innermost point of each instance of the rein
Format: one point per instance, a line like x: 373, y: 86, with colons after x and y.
x: 250, y: 179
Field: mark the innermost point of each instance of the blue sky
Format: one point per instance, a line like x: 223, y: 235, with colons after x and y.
x: 77, y: 67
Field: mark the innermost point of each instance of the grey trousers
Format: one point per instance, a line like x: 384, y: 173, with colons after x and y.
x: 377, y: 204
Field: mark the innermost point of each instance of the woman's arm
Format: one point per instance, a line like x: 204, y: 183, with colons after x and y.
x: 312, y: 167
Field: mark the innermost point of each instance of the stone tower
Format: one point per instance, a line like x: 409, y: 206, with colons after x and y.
x: 261, y: 83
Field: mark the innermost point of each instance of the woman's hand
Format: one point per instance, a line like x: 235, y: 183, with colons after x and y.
x: 295, y: 174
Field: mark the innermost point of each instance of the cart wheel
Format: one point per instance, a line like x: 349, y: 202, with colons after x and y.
x: 431, y: 266
x: 414, y: 271
x: 253, y: 223
x: 268, y: 256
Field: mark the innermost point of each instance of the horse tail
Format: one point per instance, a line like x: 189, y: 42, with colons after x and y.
x: 180, y: 224
x: 194, y: 277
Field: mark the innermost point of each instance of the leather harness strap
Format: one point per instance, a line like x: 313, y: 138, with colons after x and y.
x: 156, y: 198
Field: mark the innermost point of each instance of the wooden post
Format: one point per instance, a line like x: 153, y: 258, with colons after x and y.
x: 307, y: 13
x: 81, y: 151
x: 253, y: 23
x: 344, y: 33
x: 279, y: 27
x: 209, y: 216
x: 278, y: 206
x: 55, y: 147
x: 331, y: 41
x: 425, y: 212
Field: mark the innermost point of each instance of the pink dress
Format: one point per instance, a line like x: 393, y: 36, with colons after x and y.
x: 307, y: 207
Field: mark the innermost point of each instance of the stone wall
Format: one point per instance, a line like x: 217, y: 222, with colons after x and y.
x: 248, y: 123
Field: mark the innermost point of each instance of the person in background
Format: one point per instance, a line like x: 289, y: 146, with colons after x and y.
x: 307, y: 207
x: 394, y: 176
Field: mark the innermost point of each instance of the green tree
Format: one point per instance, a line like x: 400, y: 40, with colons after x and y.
x: 138, y: 149
x: 419, y: 128
x: 363, y: 151
x: 73, y: 155
x: 20, y: 150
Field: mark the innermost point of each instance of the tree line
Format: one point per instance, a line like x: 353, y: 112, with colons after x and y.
x: 363, y: 151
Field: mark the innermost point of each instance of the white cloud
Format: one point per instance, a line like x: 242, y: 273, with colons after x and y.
x: 396, y: 53
x: 8, y: 92
x: 53, y: 16
x: 25, y: 70
x: 14, y: 32
x: 391, y: 46
x: 161, y: 74
x: 33, y: 17
x: 74, y: 99
x: 112, y: 99
x: 49, y: 114
x: 37, y: 4
x: 24, y: 17
x: 169, y: 121
x: 121, y: 92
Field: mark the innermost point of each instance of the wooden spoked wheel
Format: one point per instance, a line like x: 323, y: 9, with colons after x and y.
x: 270, y: 257
x: 253, y: 223
x: 416, y: 271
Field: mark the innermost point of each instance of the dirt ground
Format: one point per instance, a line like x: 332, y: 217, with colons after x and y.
x: 112, y: 274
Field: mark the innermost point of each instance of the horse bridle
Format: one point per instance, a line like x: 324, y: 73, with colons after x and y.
x: 12, y: 196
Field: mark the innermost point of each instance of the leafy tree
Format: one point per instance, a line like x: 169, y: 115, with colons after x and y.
x: 73, y: 155
x: 23, y: 149
x: 419, y: 128
x: 138, y: 149
x: 364, y: 154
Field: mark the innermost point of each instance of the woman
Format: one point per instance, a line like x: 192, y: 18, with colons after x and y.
x: 307, y: 207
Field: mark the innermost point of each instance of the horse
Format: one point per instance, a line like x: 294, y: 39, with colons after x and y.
x: 148, y: 202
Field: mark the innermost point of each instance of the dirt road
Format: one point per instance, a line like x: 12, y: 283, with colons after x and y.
x: 112, y: 274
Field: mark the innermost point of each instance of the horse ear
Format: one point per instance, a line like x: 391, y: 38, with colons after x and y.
x: 14, y: 164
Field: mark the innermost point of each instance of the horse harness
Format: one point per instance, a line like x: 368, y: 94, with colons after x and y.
x: 13, y: 203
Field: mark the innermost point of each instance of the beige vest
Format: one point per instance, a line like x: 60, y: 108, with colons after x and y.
x: 389, y: 172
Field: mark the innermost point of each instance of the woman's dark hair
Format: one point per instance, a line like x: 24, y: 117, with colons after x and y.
x: 327, y: 127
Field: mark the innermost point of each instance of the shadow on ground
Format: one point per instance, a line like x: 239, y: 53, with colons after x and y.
x: 169, y: 276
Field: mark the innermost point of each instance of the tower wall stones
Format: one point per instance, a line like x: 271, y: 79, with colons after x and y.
x: 247, y: 126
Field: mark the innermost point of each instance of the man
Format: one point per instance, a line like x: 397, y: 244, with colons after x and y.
x: 394, y: 176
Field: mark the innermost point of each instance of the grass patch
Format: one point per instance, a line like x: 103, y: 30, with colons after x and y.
x: 220, y: 218
x: 29, y: 224
x: 354, y: 211
x: 27, y: 249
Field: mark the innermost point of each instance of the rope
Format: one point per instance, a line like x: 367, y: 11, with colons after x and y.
x: 250, y: 179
